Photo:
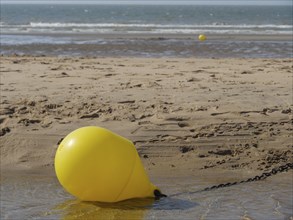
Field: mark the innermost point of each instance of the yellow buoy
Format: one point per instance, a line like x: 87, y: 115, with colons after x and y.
x: 202, y: 37
x: 95, y: 164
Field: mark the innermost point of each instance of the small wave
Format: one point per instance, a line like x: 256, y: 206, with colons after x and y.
x: 42, y: 27
x: 215, y: 25
x: 198, y: 31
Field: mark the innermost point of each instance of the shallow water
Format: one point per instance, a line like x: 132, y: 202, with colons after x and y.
x: 36, y: 196
x: 87, y: 45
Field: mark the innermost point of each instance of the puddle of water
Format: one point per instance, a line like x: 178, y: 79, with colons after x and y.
x: 35, y: 196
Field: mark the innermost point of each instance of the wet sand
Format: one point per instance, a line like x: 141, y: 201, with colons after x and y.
x: 27, y: 195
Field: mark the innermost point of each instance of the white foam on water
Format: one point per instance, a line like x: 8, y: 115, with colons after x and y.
x: 43, y: 27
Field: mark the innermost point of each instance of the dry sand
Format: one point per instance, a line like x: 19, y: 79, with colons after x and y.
x: 186, y: 116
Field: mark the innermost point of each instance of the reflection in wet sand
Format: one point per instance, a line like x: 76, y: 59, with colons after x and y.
x: 74, y: 209
x: 129, y: 209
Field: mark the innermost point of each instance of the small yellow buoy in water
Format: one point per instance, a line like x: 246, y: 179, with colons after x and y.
x: 95, y: 164
x: 202, y: 37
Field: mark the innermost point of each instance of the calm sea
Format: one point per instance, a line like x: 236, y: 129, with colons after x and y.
x: 81, y: 26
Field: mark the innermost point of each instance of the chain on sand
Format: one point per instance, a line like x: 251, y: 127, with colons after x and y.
x: 263, y: 176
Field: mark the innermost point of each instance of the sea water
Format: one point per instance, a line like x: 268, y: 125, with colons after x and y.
x: 192, y: 19
x: 32, y: 29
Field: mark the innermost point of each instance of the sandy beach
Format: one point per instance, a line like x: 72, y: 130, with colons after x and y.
x: 201, y: 113
x: 195, y: 123
x: 184, y: 115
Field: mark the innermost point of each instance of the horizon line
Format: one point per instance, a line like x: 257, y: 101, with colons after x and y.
x: 152, y: 2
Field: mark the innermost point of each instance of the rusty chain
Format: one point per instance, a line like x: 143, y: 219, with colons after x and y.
x: 263, y: 176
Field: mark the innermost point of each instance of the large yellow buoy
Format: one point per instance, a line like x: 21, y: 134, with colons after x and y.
x: 202, y: 37
x: 95, y: 164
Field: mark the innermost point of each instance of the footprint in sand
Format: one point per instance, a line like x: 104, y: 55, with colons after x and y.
x: 4, y: 131
x: 27, y: 122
